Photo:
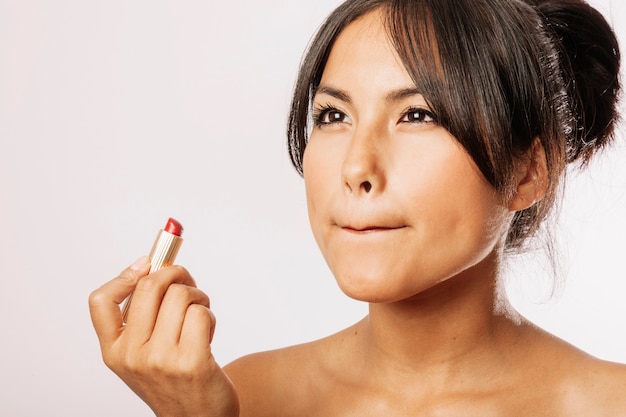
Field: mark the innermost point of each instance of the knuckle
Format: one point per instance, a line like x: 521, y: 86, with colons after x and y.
x: 187, y: 368
x: 179, y: 270
x: 168, y: 364
x: 193, y: 364
x: 113, y: 360
x: 142, y: 363
x: 96, y: 298
x: 179, y: 291
x: 155, y: 362
x: 109, y: 360
x: 146, y: 285
x: 182, y: 272
x: 145, y: 363
x: 159, y: 363
x: 202, y: 312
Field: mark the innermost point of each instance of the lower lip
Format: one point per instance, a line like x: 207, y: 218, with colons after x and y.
x: 370, y: 230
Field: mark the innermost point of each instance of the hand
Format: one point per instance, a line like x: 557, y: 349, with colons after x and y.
x: 163, y: 353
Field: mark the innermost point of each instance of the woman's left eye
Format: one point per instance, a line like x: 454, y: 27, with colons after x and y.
x: 416, y: 115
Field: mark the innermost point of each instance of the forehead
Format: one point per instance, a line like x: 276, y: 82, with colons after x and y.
x: 363, y: 57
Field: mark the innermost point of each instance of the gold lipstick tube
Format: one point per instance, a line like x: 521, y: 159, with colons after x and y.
x: 163, y: 253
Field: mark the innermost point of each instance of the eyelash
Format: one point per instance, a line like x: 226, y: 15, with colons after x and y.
x: 320, y: 113
x: 423, y: 114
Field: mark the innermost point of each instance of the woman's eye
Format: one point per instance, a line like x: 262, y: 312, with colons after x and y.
x: 418, y: 116
x: 329, y: 116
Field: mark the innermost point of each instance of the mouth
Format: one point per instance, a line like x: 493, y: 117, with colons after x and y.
x: 369, y: 229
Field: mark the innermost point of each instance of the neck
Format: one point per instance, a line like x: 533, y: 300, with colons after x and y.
x: 460, y: 321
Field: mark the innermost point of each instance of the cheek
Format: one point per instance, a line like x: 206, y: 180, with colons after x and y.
x: 454, y: 207
x: 317, y: 168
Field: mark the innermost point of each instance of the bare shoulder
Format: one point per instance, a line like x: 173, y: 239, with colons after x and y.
x: 585, y: 384
x: 599, y: 386
x: 259, y: 376
x: 267, y: 369
x: 285, y: 381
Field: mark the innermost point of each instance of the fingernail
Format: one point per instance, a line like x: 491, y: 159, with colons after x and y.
x: 140, y: 263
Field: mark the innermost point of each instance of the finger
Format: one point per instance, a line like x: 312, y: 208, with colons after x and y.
x: 172, y: 313
x: 104, y: 302
x: 147, y: 300
x: 198, y: 328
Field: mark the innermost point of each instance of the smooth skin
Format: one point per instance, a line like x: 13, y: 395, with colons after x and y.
x: 407, y: 223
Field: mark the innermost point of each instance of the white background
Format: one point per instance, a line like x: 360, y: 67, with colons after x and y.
x: 115, y: 115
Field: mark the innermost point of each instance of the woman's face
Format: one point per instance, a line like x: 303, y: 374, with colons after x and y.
x: 395, y: 203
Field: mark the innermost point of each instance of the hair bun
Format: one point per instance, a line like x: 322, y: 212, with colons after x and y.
x: 590, y: 61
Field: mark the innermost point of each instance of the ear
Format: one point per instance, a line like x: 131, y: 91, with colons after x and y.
x: 531, y: 178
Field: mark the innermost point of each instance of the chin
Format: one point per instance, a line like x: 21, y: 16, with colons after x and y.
x: 371, y: 287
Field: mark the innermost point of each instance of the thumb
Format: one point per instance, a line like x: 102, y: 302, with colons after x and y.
x: 129, y: 277
x: 104, y: 302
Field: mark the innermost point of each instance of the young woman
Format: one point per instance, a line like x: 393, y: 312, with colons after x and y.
x: 432, y: 136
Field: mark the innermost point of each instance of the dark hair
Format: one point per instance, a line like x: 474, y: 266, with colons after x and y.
x: 497, y: 74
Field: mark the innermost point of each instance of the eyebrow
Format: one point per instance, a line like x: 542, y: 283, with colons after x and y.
x: 333, y: 92
x: 392, y: 96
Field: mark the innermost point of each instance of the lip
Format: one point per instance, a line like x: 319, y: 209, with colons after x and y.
x: 369, y: 229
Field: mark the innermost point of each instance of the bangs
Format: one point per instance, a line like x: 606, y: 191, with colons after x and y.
x: 476, y: 67
x: 458, y: 57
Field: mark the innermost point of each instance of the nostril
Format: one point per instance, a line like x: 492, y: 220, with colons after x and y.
x: 367, y: 186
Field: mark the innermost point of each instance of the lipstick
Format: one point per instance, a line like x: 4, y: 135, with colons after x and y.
x: 163, y: 253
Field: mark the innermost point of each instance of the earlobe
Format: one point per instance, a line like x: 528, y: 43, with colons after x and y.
x: 531, y: 178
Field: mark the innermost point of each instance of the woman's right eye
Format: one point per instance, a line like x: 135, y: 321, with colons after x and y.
x: 328, y: 116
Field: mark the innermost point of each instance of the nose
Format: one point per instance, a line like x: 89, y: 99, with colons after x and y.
x: 363, y: 170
